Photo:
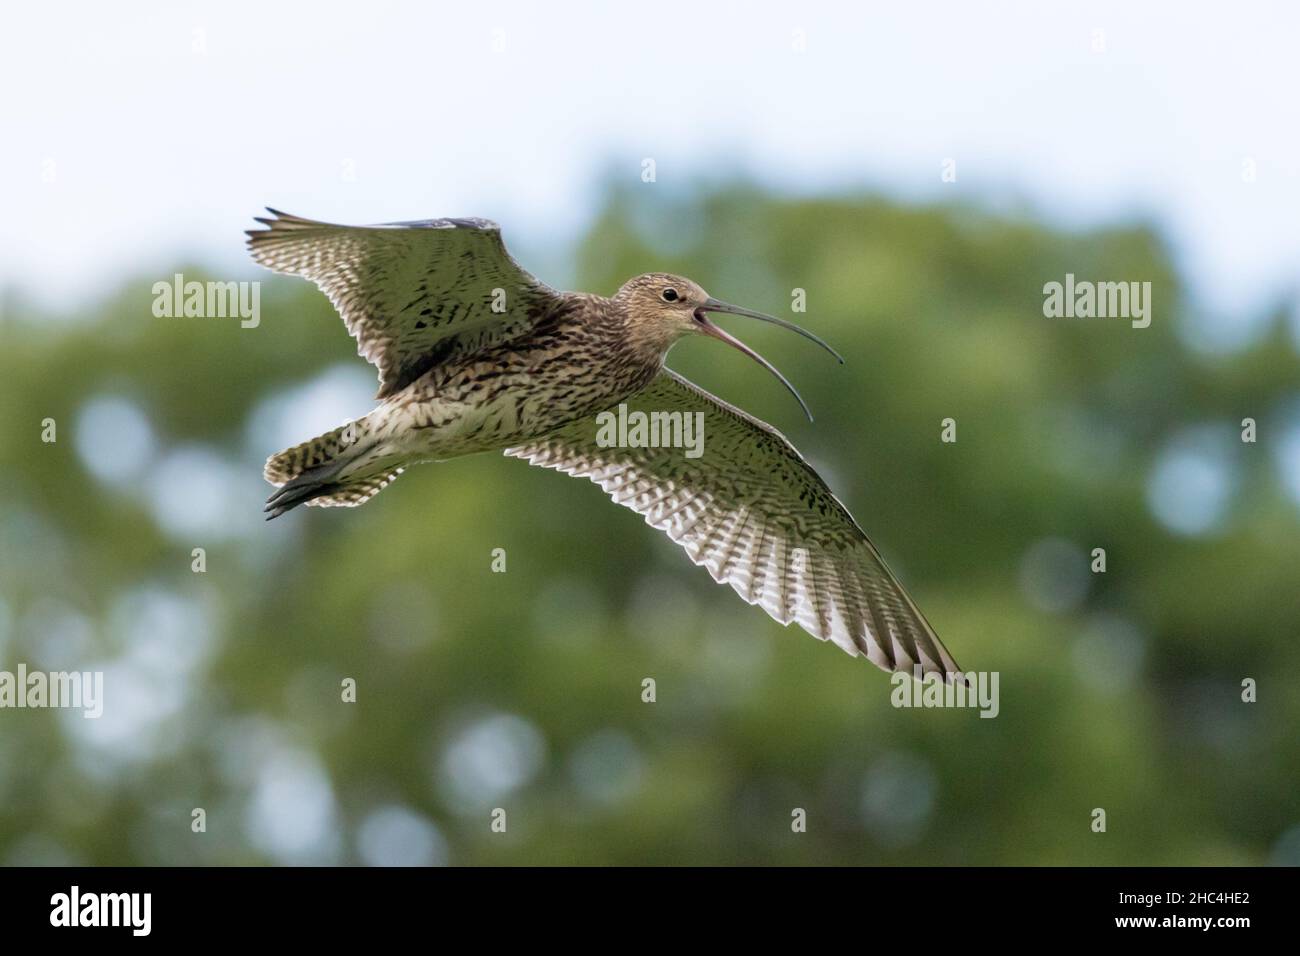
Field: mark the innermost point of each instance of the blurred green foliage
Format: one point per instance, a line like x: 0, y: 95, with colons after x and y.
x: 522, y: 690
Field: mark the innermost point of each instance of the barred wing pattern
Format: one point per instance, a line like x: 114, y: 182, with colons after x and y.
x: 411, y: 293
x: 754, y: 513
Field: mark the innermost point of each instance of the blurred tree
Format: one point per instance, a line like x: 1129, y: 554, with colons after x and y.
x: 523, y: 690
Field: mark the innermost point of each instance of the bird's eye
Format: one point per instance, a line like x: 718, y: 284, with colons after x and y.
x: 670, y: 295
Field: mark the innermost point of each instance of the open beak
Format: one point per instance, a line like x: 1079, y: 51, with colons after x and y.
x: 708, y: 328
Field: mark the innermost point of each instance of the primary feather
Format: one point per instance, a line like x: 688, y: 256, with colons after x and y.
x: 411, y: 293
x: 755, y: 514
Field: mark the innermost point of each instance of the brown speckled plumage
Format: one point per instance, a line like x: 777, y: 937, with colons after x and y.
x: 475, y: 354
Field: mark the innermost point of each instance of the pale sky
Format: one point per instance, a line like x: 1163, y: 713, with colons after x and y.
x: 136, y: 138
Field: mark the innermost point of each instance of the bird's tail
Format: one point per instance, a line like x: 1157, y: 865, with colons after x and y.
x: 332, y: 470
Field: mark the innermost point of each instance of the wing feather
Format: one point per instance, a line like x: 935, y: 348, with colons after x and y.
x: 756, y: 515
x: 411, y: 293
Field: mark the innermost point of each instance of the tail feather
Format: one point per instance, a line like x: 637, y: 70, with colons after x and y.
x: 313, y: 473
x: 352, y: 493
x: 348, y: 493
x: 322, y: 450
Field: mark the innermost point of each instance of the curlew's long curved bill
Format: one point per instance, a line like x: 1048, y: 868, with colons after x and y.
x: 714, y: 305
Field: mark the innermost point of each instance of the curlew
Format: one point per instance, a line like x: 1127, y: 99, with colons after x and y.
x: 475, y: 354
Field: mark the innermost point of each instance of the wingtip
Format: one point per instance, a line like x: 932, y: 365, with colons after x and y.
x: 255, y: 235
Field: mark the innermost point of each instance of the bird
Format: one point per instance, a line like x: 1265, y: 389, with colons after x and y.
x: 475, y: 354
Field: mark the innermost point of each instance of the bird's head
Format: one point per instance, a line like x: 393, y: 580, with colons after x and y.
x: 663, y: 308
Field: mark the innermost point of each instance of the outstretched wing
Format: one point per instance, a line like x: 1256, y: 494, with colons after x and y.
x: 757, y: 516
x: 411, y: 293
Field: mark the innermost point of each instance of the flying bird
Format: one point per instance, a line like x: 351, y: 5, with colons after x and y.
x: 475, y: 354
